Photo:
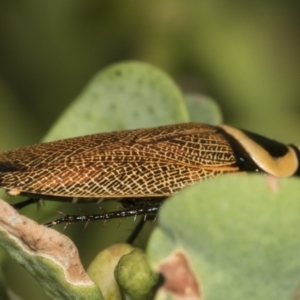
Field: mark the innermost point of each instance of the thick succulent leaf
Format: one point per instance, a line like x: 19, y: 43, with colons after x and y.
x: 48, y: 256
x: 203, y: 109
x: 235, y: 235
x: 124, y: 96
x: 122, y: 272
x: 135, y: 276
x: 101, y: 270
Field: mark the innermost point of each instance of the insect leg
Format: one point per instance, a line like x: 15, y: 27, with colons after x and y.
x: 24, y: 203
x: 137, y: 229
x: 145, y: 210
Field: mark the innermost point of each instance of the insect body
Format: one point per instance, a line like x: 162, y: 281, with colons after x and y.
x: 140, y: 165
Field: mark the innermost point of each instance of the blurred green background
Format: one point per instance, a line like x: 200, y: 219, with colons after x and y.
x: 243, y: 54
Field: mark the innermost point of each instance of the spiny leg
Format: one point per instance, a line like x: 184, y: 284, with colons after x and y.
x: 145, y: 210
x: 133, y: 208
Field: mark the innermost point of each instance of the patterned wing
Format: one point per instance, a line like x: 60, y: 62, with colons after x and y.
x: 150, y: 162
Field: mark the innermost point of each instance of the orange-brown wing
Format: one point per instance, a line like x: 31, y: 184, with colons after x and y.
x: 150, y: 162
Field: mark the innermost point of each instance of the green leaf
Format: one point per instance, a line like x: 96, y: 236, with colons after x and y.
x: 135, y: 277
x: 124, y: 96
x: 47, y: 255
x: 235, y: 235
x: 101, y: 270
x: 203, y: 109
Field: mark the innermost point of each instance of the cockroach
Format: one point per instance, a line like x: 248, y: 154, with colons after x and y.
x: 139, y: 168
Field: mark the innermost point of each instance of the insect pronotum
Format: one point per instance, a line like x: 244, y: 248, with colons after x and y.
x: 139, y: 167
